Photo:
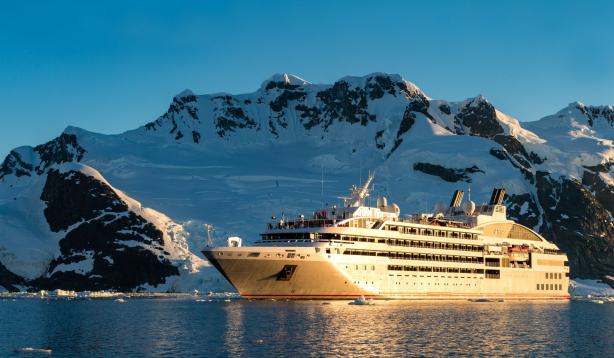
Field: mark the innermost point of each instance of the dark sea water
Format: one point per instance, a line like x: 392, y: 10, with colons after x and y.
x: 183, y: 327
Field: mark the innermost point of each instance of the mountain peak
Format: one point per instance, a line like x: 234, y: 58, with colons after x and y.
x: 285, y: 78
x: 185, y: 93
x: 477, y: 100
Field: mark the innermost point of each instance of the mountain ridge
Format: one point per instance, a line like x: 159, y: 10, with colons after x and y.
x: 225, y: 159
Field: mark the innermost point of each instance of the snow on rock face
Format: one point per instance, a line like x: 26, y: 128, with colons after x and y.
x: 285, y: 106
x: 84, y: 234
x: 25, y: 161
x: 233, y: 160
x: 96, y: 223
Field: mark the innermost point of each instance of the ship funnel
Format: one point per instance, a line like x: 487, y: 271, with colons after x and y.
x: 457, y: 198
x: 497, y: 196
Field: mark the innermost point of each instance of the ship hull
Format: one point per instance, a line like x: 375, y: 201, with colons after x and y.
x: 322, y: 276
x: 312, y: 279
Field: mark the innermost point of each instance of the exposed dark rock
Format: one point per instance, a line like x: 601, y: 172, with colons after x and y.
x: 72, y: 197
x: 174, y: 127
x: 603, y: 192
x: 281, y: 102
x: 481, y: 118
x: 498, y: 153
x: 444, y: 108
x: 579, y: 224
x: 272, y: 128
x: 593, y: 113
x: 514, y: 148
x: 452, y: 175
x: 409, y: 118
x: 196, y: 137
x: 13, y: 164
x: 187, y: 103
x: 511, y: 144
x: 502, y: 154
x: 378, y: 85
x: 282, y: 85
x: 536, y: 159
x: 379, y: 139
x: 310, y: 116
x: 179, y: 135
x: 232, y: 118
x: 9, y: 280
x: 523, y: 208
x: 345, y: 104
x: 63, y: 149
x: 409, y: 92
x: 122, y: 249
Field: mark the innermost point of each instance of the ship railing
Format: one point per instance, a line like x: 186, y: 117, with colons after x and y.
x: 300, y: 224
x: 435, y: 221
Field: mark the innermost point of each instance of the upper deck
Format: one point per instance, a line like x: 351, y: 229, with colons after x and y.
x: 355, y: 221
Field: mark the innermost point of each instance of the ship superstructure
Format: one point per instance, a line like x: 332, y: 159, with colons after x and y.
x: 461, y: 251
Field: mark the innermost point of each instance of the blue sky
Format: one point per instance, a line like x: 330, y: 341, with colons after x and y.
x: 112, y: 66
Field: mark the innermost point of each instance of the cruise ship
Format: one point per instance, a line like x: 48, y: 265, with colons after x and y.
x: 462, y: 251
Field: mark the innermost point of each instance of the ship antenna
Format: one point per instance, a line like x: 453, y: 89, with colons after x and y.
x: 360, y: 172
x: 322, y: 186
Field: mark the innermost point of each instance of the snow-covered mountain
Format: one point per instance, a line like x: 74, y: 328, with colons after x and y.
x: 64, y: 226
x: 234, y: 160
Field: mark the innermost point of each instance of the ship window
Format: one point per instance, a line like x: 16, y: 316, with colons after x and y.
x: 538, y: 286
x: 328, y: 251
x: 253, y: 254
x: 566, y: 263
x: 493, y: 274
x: 566, y: 274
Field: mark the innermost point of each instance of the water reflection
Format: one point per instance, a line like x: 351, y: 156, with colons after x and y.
x: 184, y: 327
x: 234, y: 330
x: 396, y: 328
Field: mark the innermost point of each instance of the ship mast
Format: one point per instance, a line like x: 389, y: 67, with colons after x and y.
x: 209, y: 239
x: 360, y: 193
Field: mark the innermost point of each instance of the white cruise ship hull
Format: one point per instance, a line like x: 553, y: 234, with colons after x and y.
x: 258, y: 273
